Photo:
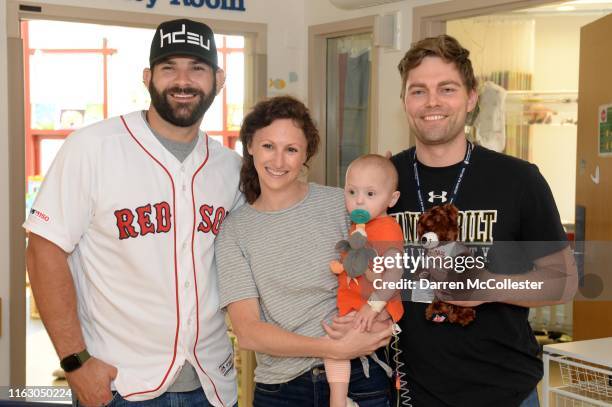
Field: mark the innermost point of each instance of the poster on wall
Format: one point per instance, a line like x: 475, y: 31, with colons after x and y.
x: 605, y: 131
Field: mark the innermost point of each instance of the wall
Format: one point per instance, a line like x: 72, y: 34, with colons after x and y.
x: 283, y: 55
x: 4, y: 210
x: 549, y: 45
x: 392, y: 127
x: 553, y: 149
x: 557, y: 44
x: 496, y: 41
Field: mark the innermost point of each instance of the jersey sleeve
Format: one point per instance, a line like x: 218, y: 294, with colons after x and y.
x: 64, y: 204
x: 236, y: 280
x: 540, y: 221
x: 239, y: 200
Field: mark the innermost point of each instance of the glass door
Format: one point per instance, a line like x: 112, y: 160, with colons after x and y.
x: 349, y: 67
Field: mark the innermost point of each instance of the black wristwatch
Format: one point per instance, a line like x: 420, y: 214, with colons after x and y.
x: 72, y: 362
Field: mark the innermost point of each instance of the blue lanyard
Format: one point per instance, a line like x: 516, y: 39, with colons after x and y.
x: 466, y: 162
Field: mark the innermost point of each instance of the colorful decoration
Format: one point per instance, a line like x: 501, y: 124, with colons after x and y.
x: 277, y: 83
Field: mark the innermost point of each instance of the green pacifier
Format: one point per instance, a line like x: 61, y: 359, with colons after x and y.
x: 360, y: 216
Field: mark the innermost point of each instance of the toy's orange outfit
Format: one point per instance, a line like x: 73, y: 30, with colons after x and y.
x: 384, y: 233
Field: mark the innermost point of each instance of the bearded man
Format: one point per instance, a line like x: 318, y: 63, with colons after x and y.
x: 121, y: 235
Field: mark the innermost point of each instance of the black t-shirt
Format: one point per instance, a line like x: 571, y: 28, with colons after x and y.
x: 494, y: 360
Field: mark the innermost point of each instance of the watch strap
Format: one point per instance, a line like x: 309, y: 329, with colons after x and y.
x: 83, y: 356
x: 74, y: 361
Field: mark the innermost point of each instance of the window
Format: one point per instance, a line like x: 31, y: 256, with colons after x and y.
x: 223, y: 119
x: 77, y: 74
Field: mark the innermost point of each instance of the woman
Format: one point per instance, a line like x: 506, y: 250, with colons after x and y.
x: 273, y: 259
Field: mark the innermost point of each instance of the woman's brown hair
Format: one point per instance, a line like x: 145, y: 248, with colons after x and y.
x: 262, y: 115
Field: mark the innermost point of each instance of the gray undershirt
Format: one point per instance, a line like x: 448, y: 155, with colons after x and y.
x: 178, y: 149
x: 187, y: 378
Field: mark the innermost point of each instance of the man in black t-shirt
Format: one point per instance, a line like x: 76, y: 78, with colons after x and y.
x: 494, y: 360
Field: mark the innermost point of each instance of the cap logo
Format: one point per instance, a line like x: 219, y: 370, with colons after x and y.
x: 182, y: 36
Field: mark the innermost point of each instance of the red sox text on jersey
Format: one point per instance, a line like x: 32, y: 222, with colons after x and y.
x: 157, y: 218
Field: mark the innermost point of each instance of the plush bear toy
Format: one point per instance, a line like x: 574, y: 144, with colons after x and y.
x: 438, y: 229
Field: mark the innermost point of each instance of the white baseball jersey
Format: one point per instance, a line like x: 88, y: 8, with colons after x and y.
x: 139, y: 227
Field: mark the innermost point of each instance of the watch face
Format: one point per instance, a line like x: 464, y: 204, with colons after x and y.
x: 70, y: 363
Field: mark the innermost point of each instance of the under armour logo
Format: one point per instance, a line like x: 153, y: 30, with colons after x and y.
x: 441, y: 197
x: 179, y: 37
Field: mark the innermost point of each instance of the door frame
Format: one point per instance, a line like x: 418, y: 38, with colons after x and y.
x: 317, y: 80
x: 256, y: 73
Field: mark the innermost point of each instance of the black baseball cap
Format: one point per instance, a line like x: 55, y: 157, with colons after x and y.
x: 183, y: 37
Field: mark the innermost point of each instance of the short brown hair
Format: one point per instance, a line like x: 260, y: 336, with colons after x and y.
x: 445, y: 47
x: 262, y: 115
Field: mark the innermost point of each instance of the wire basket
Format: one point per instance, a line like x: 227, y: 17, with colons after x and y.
x: 586, y: 379
x: 565, y: 401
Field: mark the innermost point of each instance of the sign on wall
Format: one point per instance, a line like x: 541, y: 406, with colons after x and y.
x: 233, y: 5
x: 605, y: 130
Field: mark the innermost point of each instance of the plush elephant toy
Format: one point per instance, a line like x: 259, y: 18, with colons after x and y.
x: 356, y: 254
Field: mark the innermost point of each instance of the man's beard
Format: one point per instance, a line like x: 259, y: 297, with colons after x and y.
x: 193, y: 113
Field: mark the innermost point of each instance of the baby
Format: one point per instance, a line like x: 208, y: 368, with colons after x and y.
x: 371, y: 188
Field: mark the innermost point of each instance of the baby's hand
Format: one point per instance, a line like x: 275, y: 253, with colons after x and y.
x: 365, y: 318
x: 383, y: 315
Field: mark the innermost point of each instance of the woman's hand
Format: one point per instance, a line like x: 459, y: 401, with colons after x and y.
x: 341, y: 325
x: 260, y: 336
x: 349, y: 343
x: 356, y: 343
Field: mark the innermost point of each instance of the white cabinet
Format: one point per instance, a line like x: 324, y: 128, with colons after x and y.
x: 586, y: 374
